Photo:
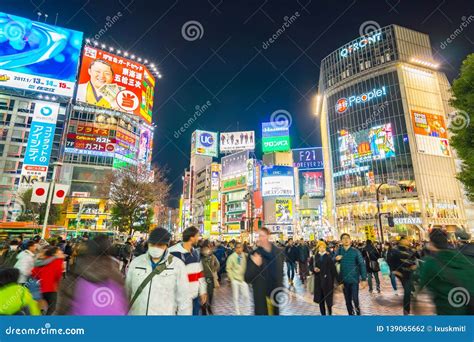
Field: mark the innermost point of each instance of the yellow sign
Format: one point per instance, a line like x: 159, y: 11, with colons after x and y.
x: 370, y: 233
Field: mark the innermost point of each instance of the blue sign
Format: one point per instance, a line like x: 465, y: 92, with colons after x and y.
x: 40, y: 142
x: 308, y: 158
x: 275, y: 129
x: 37, y: 56
x: 276, y: 170
x: 206, y: 139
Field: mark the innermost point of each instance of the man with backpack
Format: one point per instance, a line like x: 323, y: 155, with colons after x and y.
x: 448, y: 275
x: 157, y: 282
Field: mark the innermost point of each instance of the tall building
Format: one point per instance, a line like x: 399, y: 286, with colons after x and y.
x: 384, y: 106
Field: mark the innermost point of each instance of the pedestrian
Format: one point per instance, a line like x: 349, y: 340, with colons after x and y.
x: 236, y: 266
x: 404, y: 264
x: 352, y: 271
x: 187, y: 253
x: 291, y: 257
x: 9, y: 256
x: 455, y: 280
x: 48, y: 270
x: 15, y: 299
x: 221, y: 254
x: 371, y: 256
x: 26, y: 261
x: 157, y: 282
x: 325, y: 278
x: 265, y: 273
x: 303, y: 260
x: 94, y: 285
x: 210, y: 267
x: 388, y: 256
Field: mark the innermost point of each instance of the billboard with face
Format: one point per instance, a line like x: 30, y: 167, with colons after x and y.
x: 312, y: 183
x: 37, y: 56
x: 110, y: 81
x: 237, y: 141
x: 283, y: 210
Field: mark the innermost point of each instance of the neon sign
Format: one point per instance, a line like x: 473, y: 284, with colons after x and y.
x: 360, y: 44
x: 344, y: 103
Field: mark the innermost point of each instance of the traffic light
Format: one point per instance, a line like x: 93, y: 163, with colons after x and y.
x: 391, y: 223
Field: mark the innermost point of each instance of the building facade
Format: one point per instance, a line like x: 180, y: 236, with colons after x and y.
x: 384, y: 114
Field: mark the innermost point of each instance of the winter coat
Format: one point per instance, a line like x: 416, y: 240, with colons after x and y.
x: 25, y: 263
x: 303, y: 252
x: 324, y: 279
x: 14, y: 297
x: 403, y: 260
x: 210, y: 265
x: 49, y: 274
x: 236, y: 270
x: 352, y: 265
x: 370, y: 253
x: 457, y: 272
x: 265, y: 278
x: 292, y: 253
x: 166, y: 294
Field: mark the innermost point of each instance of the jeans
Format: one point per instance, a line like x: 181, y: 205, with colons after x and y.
x: 407, y: 284
x: 290, y: 269
x: 196, y: 306
x: 351, y: 294
x: 240, y: 289
x: 377, y: 280
x: 393, y: 280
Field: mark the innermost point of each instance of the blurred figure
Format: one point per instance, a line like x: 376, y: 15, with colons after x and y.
x: 325, y: 275
x: 291, y: 256
x: 236, y: 266
x: 95, y: 285
x: 265, y: 273
x: 157, y: 282
x: 221, y: 254
x: 303, y: 260
x: 10, y: 254
x: 187, y: 253
x: 26, y: 261
x: 210, y: 267
x: 48, y: 271
x: 404, y: 264
x: 453, y: 283
x: 371, y: 257
x: 14, y: 298
x: 388, y: 256
x: 352, y: 270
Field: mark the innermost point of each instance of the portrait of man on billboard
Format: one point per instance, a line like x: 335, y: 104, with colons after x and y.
x: 100, y: 90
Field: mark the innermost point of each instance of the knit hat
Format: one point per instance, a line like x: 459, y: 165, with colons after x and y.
x: 159, y: 236
x: 439, y: 238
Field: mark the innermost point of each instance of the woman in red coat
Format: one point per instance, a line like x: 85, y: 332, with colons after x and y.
x: 49, y: 270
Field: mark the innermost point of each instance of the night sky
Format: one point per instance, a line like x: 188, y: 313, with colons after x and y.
x: 229, y: 66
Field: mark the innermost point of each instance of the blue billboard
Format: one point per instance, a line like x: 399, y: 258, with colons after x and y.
x: 310, y: 158
x: 37, y: 56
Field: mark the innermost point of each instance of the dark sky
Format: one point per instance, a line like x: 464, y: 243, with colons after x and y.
x: 228, y: 66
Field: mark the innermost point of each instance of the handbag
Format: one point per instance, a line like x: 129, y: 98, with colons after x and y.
x: 384, y: 267
x: 374, y: 265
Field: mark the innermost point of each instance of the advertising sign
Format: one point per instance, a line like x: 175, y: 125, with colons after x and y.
x: 308, y: 158
x: 366, y: 145
x: 277, y: 181
x: 40, y: 142
x: 431, y: 134
x: 237, y: 141
x: 283, y: 210
x: 275, y: 137
x: 312, y: 183
x: 205, y: 143
x: 215, y: 177
x: 37, y: 56
x: 360, y: 44
x: 145, y: 146
x: 234, y: 164
x: 232, y: 184
x: 344, y: 104
x: 110, y: 81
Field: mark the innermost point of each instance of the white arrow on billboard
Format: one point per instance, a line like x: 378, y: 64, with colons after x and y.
x: 40, y: 192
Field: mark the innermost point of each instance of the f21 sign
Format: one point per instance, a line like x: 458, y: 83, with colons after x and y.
x: 308, y: 158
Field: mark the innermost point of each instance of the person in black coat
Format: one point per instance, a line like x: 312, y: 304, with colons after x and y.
x: 371, y: 256
x: 265, y: 273
x: 325, y: 275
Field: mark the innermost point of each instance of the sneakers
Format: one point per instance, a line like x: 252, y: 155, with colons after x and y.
x: 396, y: 293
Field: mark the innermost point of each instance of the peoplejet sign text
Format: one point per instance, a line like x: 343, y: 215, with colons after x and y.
x: 360, y: 44
x: 344, y: 103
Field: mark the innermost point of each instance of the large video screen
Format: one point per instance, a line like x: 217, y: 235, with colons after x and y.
x: 37, y: 56
x: 366, y: 145
x: 110, y: 81
x: 277, y: 181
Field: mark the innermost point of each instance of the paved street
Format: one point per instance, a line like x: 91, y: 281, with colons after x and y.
x: 297, y: 301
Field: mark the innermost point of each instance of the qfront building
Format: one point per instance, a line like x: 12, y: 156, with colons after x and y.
x: 384, y: 110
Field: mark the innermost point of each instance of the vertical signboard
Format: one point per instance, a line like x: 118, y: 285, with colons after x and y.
x: 275, y: 137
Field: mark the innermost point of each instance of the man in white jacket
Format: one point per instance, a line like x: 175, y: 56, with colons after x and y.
x: 26, y: 261
x: 164, y: 293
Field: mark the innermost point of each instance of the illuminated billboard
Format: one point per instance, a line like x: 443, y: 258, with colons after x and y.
x: 234, y: 164
x: 37, y: 56
x: 275, y: 136
x: 312, y: 183
x: 110, y: 81
x: 145, y: 146
x: 366, y: 145
x: 204, y: 143
x: 277, y: 181
x: 237, y: 141
x: 431, y: 134
x: 308, y: 158
x: 344, y: 103
x: 283, y: 210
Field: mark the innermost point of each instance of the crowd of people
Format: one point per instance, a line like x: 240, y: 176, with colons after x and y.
x: 159, y: 276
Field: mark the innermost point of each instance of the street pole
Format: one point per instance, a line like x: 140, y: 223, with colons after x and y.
x: 378, y: 213
x: 50, y: 198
